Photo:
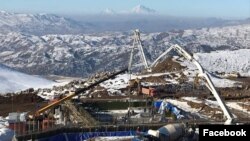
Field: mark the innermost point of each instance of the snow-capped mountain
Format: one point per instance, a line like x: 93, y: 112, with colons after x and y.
x: 38, y: 24
x: 137, y: 10
x: 140, y: 9
x: 108, y: 11
x: 84, y: 54
x: 12, y: 81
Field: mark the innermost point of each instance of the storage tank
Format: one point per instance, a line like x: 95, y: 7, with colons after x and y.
x: 170, y: 132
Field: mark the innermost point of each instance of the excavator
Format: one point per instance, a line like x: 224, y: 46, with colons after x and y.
x: 202, y: 72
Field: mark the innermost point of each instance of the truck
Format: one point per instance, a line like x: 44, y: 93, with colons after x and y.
x: 140, y: 89
x: 149, y: 91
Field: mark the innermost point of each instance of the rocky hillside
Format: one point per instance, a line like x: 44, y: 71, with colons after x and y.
x: 84, y: 54
x: 39, y: 24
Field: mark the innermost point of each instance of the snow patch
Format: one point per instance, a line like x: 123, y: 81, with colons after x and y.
x: 226, y: 61
x: 12, y: 81
x: 114, y: 85
x: 6, y: 134
x: 116, y: 138
x: 235, y: 105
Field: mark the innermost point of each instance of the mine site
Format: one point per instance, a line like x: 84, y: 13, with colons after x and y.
x: 126, y: 75
x: 175, y: 90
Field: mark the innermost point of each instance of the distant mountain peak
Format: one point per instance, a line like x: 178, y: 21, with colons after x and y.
x: 109, y: 11
x: 140, y: 9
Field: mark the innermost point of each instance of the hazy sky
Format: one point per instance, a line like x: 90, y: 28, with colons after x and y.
x: 190, y: 8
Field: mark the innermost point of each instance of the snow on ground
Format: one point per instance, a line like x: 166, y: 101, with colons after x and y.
x: 148, y: 75
x: 235, y: 105
x: 48, y: 95
x: 119, y: 82
x: 219, y: 36
x: 214, y: 104
x: 122, y: 81
x: 222, y: 82
x: 6, y: 134
x: 193, y: 99
x: 116, y: 138
x: 63, y: 79
x: 12, y: 81
x: 210, y: 103
x: 191, y: 70
x: 125, y: 111
x: 226, y: 61
x: 185, y: 107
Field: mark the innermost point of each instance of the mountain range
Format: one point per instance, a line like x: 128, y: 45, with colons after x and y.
x: 45, y: 44
x: 141, y: 17
x: 39, y: 24
x: 85, y: 54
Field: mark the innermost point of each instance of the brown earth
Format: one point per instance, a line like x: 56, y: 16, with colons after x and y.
x: 30, y: 102
x: 168, y: 65
x: 154, y: 79
x: 20, y: 103
x: 100, y: 91
x: 206, y: 109
x: 244, y: 106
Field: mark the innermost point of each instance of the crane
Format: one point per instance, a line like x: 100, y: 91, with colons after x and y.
x: 202, y: 73
x: 137, y: 44
x: 77, y: 92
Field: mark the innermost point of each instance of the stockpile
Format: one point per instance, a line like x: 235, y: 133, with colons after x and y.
x: 167, y: 65
x: 20, y: 103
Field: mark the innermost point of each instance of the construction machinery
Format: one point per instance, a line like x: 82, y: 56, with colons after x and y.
x: 170, y: 132
x: 203, y: 74
x: 137, y: 44
x: 77, y: 92
x: 149, y: 91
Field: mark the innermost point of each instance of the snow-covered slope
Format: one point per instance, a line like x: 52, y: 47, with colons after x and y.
x: 38, y: 23
x: 12, y: 81
x: 83, y: 54
x: 226, y: 61
x: 113, y: 85
x: 190, y: 70
x: 229, y: 37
